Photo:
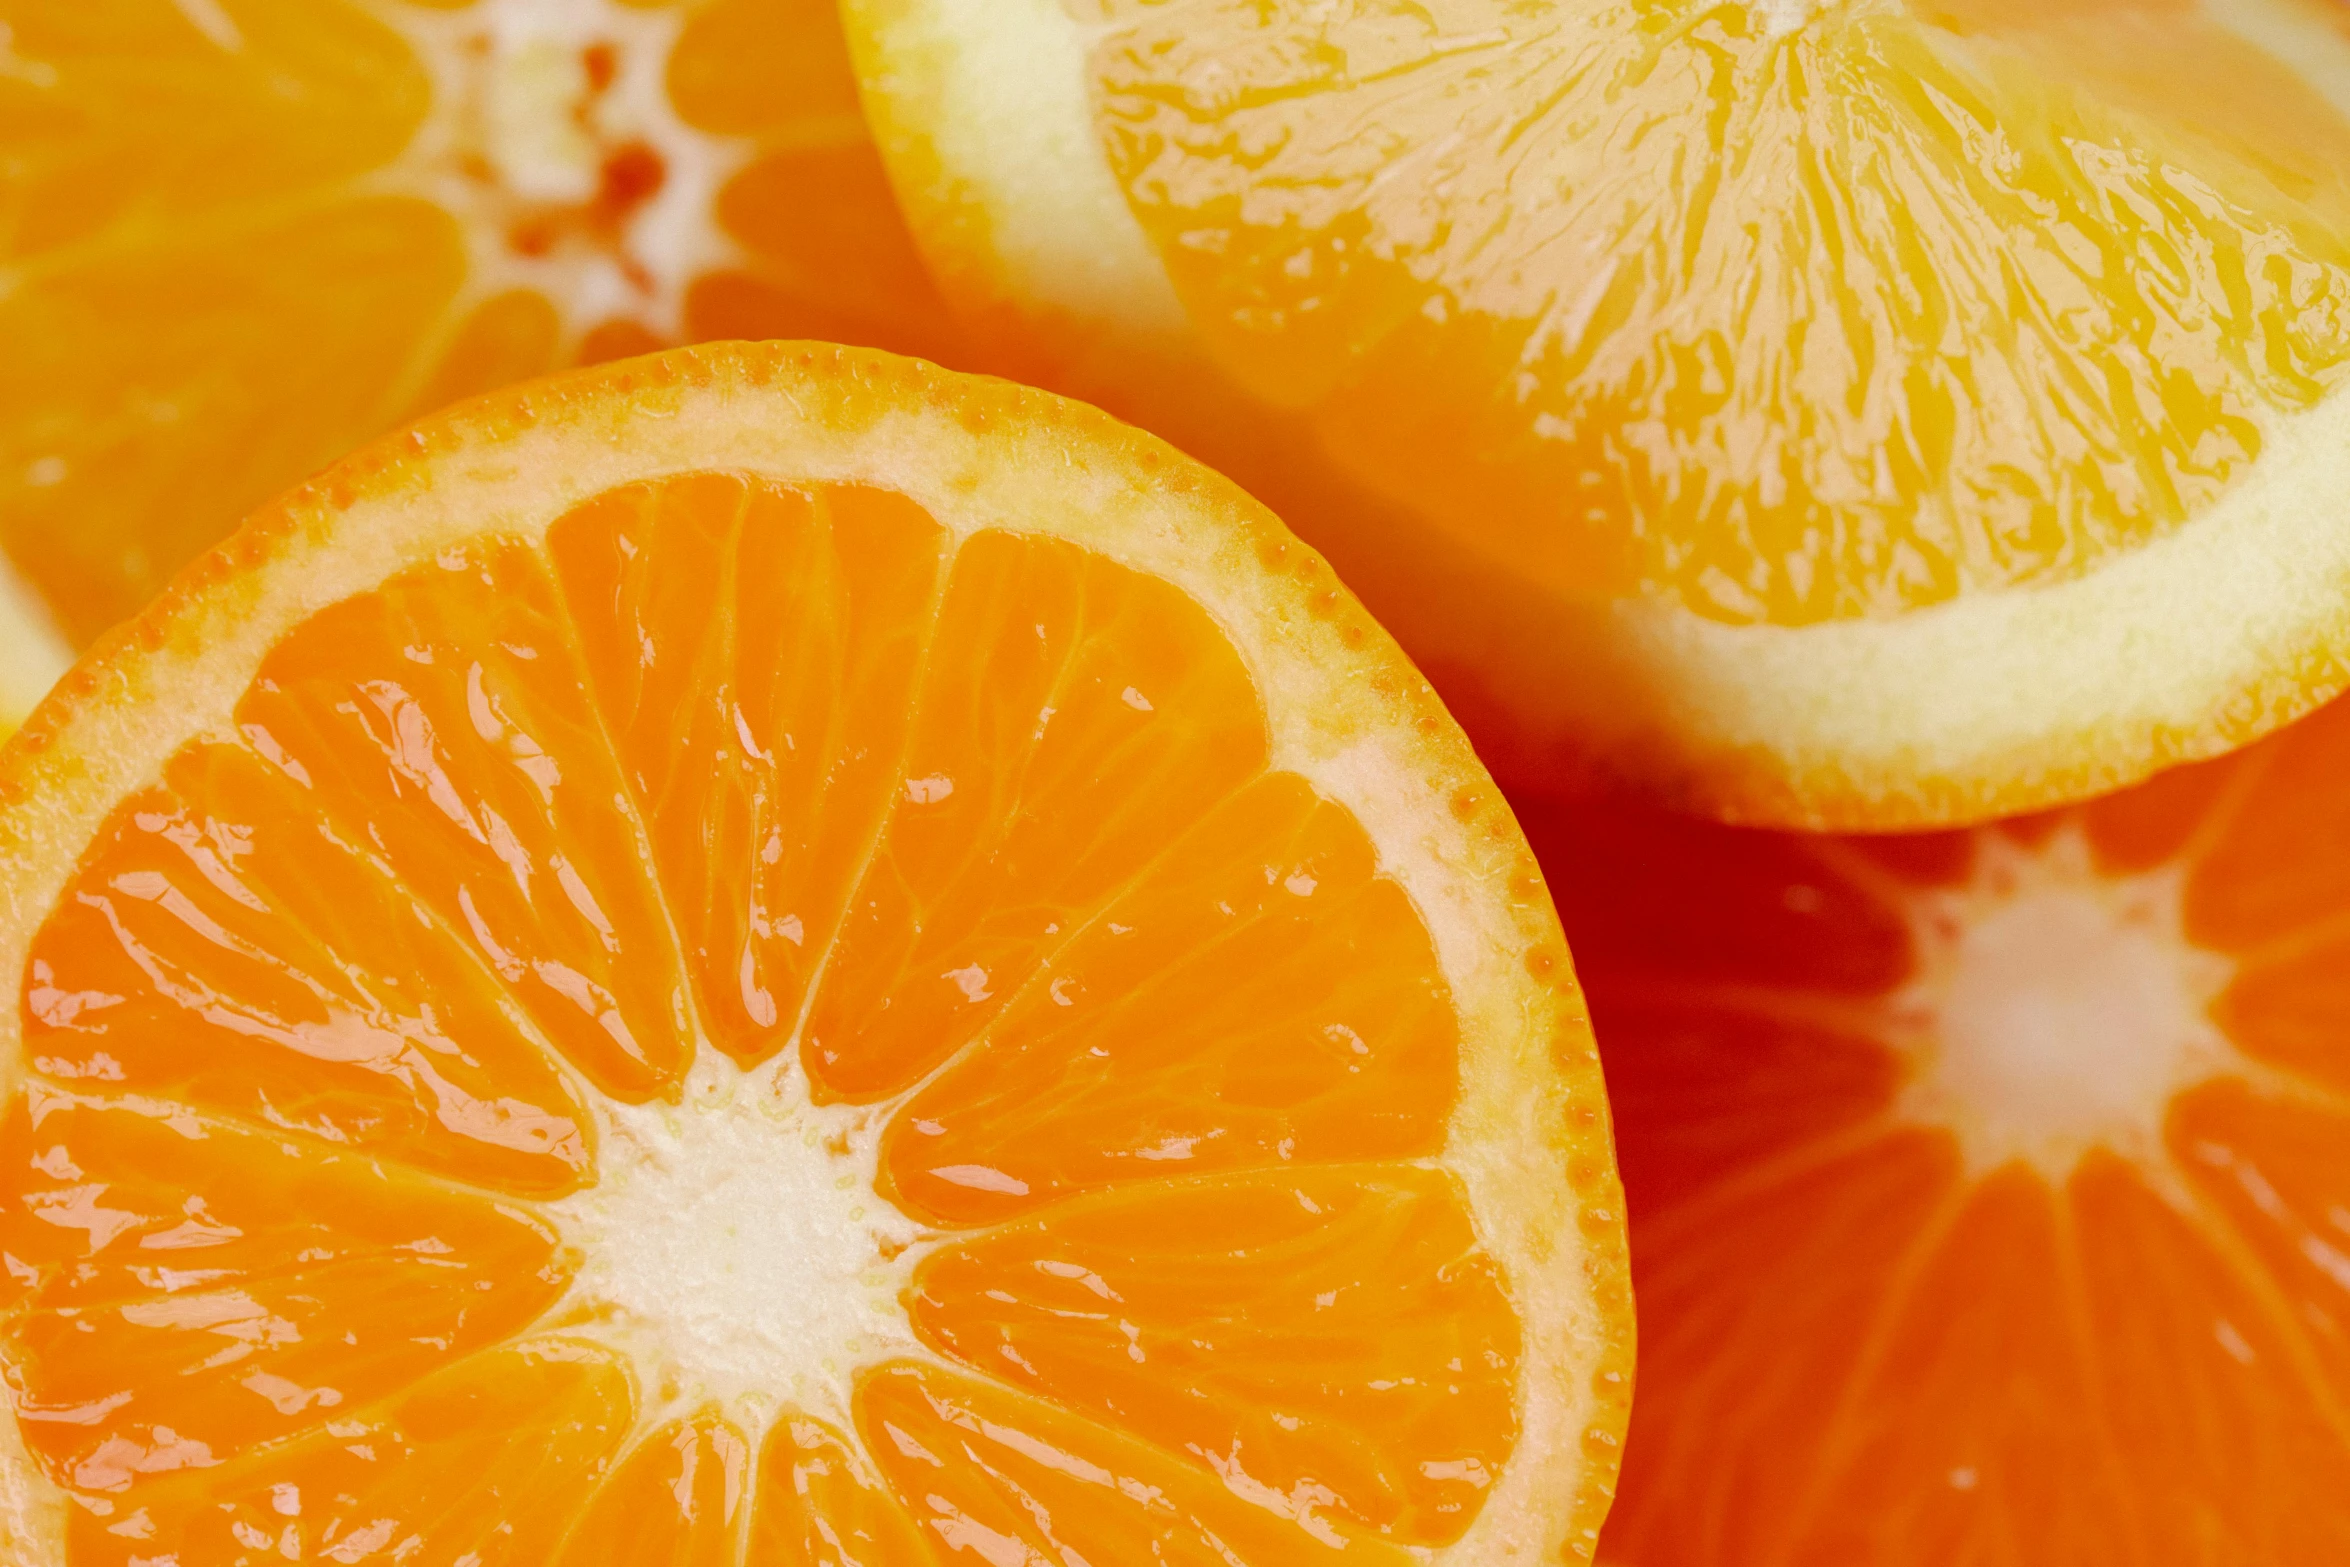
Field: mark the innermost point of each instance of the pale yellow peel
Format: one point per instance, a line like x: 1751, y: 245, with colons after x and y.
x: 2225, y: 628
x: 32, y: 652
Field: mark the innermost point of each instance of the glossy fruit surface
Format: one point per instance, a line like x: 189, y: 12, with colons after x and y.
x: 1860, y: 414
x: 1990, y: 1190
x: 239, y: 237
x: 769, y: 954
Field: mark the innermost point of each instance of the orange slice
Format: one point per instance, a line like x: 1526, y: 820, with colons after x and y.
x: 242, y: 236
x: 773, y: 955
x: 1990, y: 1190
x: 1815, y: 412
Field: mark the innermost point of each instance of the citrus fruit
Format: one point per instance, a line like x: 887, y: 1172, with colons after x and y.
x: 1816, y: 412
x: 1990, y: 1189
x: 238, y: 237
x: 770, y: 954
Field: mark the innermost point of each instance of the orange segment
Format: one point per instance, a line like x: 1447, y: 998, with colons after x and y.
x: 818, y: 1507
x: 441, y: 722
x: 2270, y: 1168
x: 1316, y: 1027
x: 482, y: 1461
x: 1713, y: 1089
x: 778, y: 75
x: 2021, y: 1241
x: 1239, y: 1322
x: 141, y: 110
x: 247, y: 235
x: 997, y: 1476
x: 708, y: 962
x: 159, y: 390
x: 2029, y: 1444
x: 2142, y: 828
x: 2236, y: 1442
x: 2280, y: 863
x: 1076, y: 717
x: 1755, y: 1301
x: 200, y: 959
x: 679, y: 1499
x: 186, y: 1290
x: 741, y: 67
x: 2287, y: 1011
x: 761, y: 741
x: 857, y: 276
x: 510, y: 336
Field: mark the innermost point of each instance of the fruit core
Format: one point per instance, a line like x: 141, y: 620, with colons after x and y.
x: 1781, y: 17
x: 2056, y: 1007
x: 733, y: 1243
x: 553, y: 140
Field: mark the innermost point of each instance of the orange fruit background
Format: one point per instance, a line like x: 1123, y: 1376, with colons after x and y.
x: 1815, y: 415
x: 243, y: 236
x: 1988, y: 1188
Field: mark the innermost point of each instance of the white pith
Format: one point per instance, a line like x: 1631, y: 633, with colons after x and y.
x: 999, y: 460
x: 1781, y: 17
x: 734, y: 1249
x: 511, y: 94
x: 1011, y: 76
x: 2202, y: 639
x: 33, y: 652
x: 2055, y: 1007
x: 2304, y: 34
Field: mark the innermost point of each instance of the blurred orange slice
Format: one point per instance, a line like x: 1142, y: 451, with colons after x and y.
x: 1990, y: 1190
x: 771, y: 954
x: 1818, y: 413
x: 237, y: 237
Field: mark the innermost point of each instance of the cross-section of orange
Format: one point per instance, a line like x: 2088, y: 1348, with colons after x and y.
x: 1990, y: 1190
x: 1858, y: 413
x: 239, y: 237
x: 771, y: 955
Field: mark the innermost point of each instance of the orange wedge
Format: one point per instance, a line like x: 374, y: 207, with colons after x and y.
x: 238, y: 237
x: 1990, y: 1190
x: 1816, y: 413
x: 772, y: 955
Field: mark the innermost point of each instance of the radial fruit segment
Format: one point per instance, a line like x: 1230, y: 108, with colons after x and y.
x: 1991, y: 1190
x: 782, y: 958
x: 1759, y: 399
x: 245, y: 235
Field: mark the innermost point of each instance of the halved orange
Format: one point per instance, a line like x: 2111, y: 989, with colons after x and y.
x: 1852, y: 413
x: 239, y: 237
x: 772, y: 955
x: 1990, y: 1190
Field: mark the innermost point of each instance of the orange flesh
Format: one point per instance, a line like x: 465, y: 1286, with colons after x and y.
x: 212, y: 292
x: 334, y: 1009
x: 1865, y: 1343
x: 1783, y: 312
